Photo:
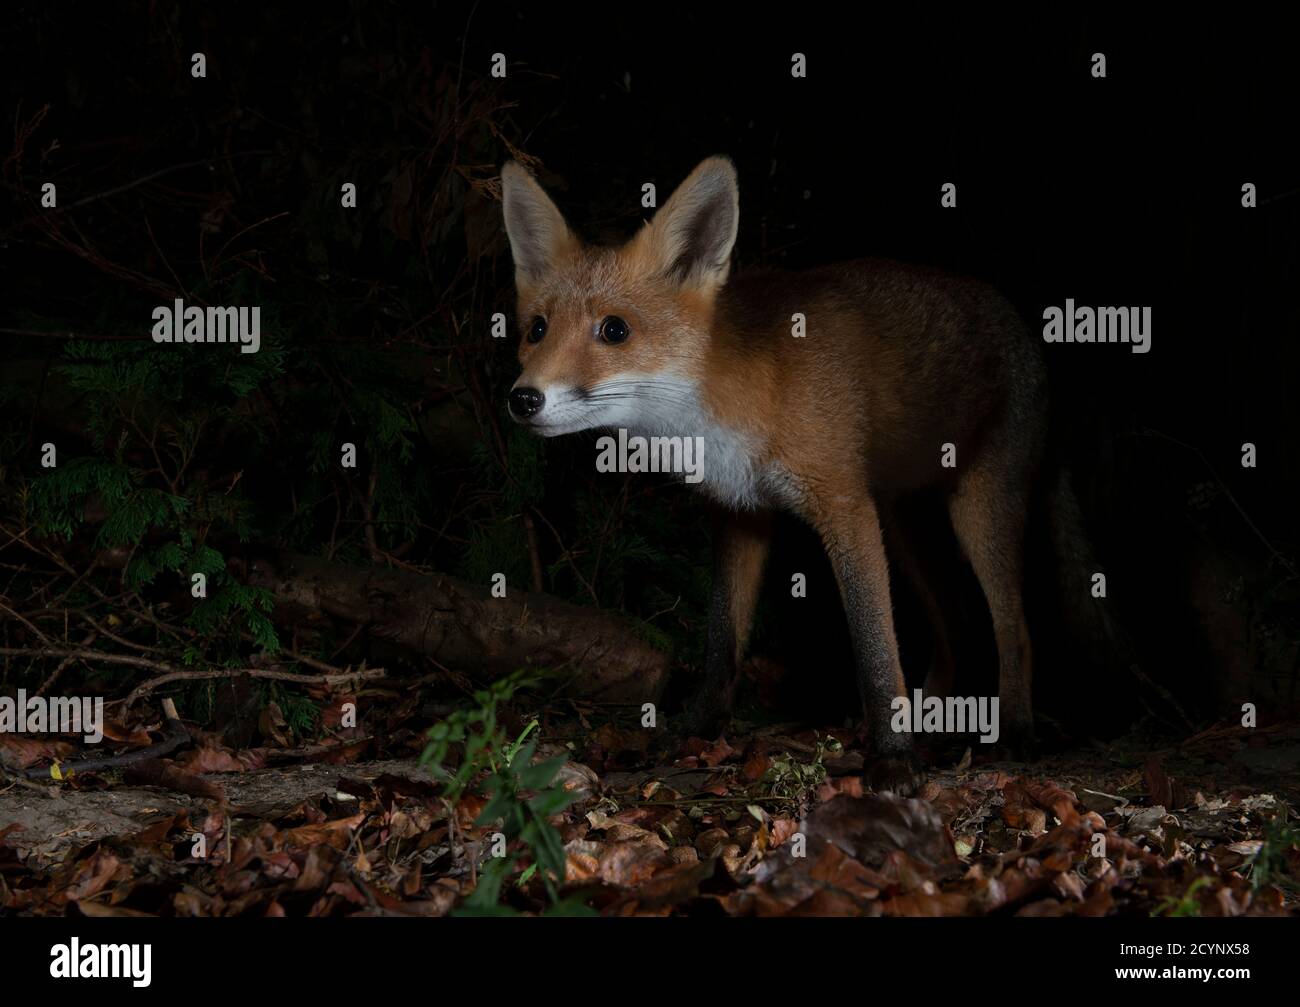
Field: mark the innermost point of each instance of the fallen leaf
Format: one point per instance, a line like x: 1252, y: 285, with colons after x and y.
x: 717, y: 753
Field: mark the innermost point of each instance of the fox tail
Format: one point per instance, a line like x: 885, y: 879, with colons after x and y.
x: 1090, y: 621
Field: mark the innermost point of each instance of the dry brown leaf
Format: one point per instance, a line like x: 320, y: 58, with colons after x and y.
x: 627, y: 865
x: 1019, y: 810
x: 1052, y: 798
x: 19, y: 752
x: 755, y: 767
x: 336, y: 833
x: 214, y: 759
x: 717, y: 753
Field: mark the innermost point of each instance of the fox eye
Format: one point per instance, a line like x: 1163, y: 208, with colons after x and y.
x: 537, y: 329
x: 613, y: 329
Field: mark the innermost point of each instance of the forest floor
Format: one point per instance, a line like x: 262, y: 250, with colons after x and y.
x: 770, y: 820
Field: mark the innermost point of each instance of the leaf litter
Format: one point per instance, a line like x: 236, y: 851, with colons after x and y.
x: 768, y: 822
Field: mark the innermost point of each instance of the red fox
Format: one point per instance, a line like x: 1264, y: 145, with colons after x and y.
x: 904, y: 378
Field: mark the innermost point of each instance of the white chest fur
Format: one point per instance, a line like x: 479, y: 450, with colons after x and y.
x: 733, y: 468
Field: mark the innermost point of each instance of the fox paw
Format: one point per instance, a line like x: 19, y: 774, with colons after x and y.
x: 666, y: 747
x: 899, y: 774
x: 1017, y: 743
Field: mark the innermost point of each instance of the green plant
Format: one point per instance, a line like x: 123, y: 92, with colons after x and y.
x: 790, y: 779
x: 149, y: 415
x: 1271, y: 865
x: 301, y: 713
x: 504, y: 770
x: 1184, y: 905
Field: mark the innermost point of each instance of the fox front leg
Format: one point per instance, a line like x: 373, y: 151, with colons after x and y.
x: 852, y: 536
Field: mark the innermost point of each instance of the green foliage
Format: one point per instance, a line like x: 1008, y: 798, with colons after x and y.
x: 1278, y: 852
x: 233, y: 605
x: 504, y: 770
x: 167, y: 484
x: 1186, y: 904
x: 497, y: 542
x: 301, y: 713
x: 497, y: 546
x: 151, y: 411
x: 527, y: 467
x: 790, y: 779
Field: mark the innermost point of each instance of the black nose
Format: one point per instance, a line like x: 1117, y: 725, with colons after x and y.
x: 524, y: 402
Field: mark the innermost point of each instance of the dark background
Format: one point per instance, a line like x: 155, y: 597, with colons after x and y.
x: 1122, y: 191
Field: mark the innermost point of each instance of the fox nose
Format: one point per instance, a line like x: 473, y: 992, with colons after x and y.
x: 525, y: 402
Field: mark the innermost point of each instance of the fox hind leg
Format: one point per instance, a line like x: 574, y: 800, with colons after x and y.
x: 988, y: 512
x: 741, y: 545
x: 931, y: 584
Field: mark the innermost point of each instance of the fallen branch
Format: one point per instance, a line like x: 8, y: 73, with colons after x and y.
x: 176, y: 735
x: 461, y: 625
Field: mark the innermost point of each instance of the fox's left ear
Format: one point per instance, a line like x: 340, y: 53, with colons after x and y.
x: 691, y: 237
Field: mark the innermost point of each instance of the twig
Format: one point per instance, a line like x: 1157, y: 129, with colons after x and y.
x: 63, y: 334
x: 567, y: 554
x: 277, y: 755
x: 21, y: 618
x: 20, y: 780
x: 54, y: 675
x: 171, y: 674
x: 301, y: 658
x: 144, y: 688
x: 127, y: 186
x: 86, y: 655
x: 114, y: 637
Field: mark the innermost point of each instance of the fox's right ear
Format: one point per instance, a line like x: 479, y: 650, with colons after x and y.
x: 539, y: 237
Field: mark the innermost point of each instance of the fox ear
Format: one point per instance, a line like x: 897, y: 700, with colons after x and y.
x: 536, y: 228
x: 691, y: 237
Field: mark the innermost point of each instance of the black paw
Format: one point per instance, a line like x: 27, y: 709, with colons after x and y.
x: 667, y: 747
x: 1017, y: 743
x: 699, y: 725
x: 670, y: 743
x: 899, y: 774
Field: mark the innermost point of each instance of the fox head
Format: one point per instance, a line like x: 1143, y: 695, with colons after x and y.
x: 617, y: 336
